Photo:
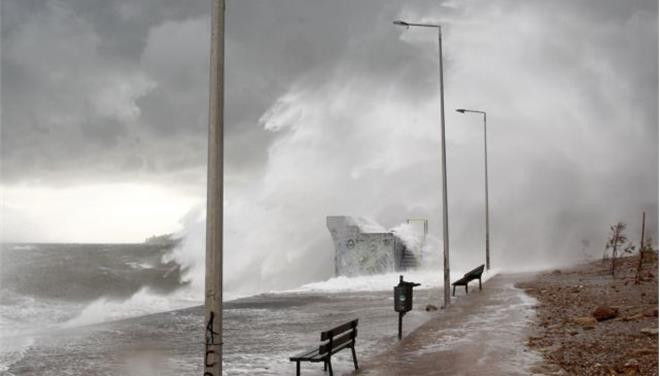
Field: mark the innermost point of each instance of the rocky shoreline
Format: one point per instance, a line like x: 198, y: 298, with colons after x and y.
x: 589, y: 323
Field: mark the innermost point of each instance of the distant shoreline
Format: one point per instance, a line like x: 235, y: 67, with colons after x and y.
x: 70, y: 243
x: 148, y: 241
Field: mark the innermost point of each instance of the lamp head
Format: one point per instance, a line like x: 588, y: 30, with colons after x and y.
x: 401, y: 23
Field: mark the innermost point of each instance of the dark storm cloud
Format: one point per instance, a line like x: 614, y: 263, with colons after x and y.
x: 72, y: 73
x: 89, y: 82
x: 93, y: 86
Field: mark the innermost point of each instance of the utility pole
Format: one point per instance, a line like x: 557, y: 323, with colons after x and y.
x: 445, y: 210
x: 445, y: 205
x: 462, y: 110
x: 214, y: 198
x: 486, y: 183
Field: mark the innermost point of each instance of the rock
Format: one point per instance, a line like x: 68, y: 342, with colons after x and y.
x: 647, y: 277
x: 651, y: 312
x: 632, y: 363
x: 650, y: 331
x: 635, y: 317
x: 550, y: 349
x: 605, y: 313
x: 546, y: 370
x: 556, y: 271
x: 586, y: 322
x: 631, y: 367
x: 647, y: 351
x: 431, y: 307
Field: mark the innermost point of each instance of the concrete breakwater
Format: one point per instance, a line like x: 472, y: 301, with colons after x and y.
x: 364, y: 248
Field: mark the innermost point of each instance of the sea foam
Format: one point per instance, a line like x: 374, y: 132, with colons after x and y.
x: 381, y: 282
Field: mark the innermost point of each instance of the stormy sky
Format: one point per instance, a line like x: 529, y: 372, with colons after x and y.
x: 330, y: 109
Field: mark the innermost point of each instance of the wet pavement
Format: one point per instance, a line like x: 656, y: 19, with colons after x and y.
x: 483, y: 333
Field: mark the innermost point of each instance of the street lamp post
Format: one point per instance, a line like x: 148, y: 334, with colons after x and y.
x: 462, y: 110
x: 445, y: 216
x: 214, y: 197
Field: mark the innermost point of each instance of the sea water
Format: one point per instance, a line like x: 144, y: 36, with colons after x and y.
x: 123, y: 310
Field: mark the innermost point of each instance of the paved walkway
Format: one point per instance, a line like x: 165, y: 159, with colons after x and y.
x: 483, y: 333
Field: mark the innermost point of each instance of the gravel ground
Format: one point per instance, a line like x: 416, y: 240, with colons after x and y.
x: 570, y: 338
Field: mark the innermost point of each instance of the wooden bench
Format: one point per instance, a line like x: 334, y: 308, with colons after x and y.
x: 332, y: 341
x: 469, y: 276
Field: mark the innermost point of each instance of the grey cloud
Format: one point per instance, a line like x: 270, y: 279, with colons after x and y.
x: 59, y: 55
x: 56, y: 124
x: 118, y: 90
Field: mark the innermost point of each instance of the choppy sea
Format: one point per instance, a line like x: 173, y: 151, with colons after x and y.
x: 95, y: 309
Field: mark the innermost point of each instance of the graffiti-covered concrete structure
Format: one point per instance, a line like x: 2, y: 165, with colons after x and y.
x: 364, y: 248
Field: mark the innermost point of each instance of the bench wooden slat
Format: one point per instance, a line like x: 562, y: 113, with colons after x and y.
x: 461, y: 282
x: 305, y: 355
x: 336, y: 342
x: 319, y: 357
x: 338, y: 349
x: 472, y: 274
x: 476, y: 272
x: 338, y: 330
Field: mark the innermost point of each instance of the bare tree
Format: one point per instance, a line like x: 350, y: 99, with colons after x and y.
x: 616, y: 240
x: 641, y: 252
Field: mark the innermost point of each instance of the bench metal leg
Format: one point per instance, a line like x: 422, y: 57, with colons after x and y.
x: 354, y: 358
x: 325, y: 366
x: 298, y: 368
x: 466, y: 289
x: 479, y: 284
x: 454, y: 293
x: 330, y: 367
